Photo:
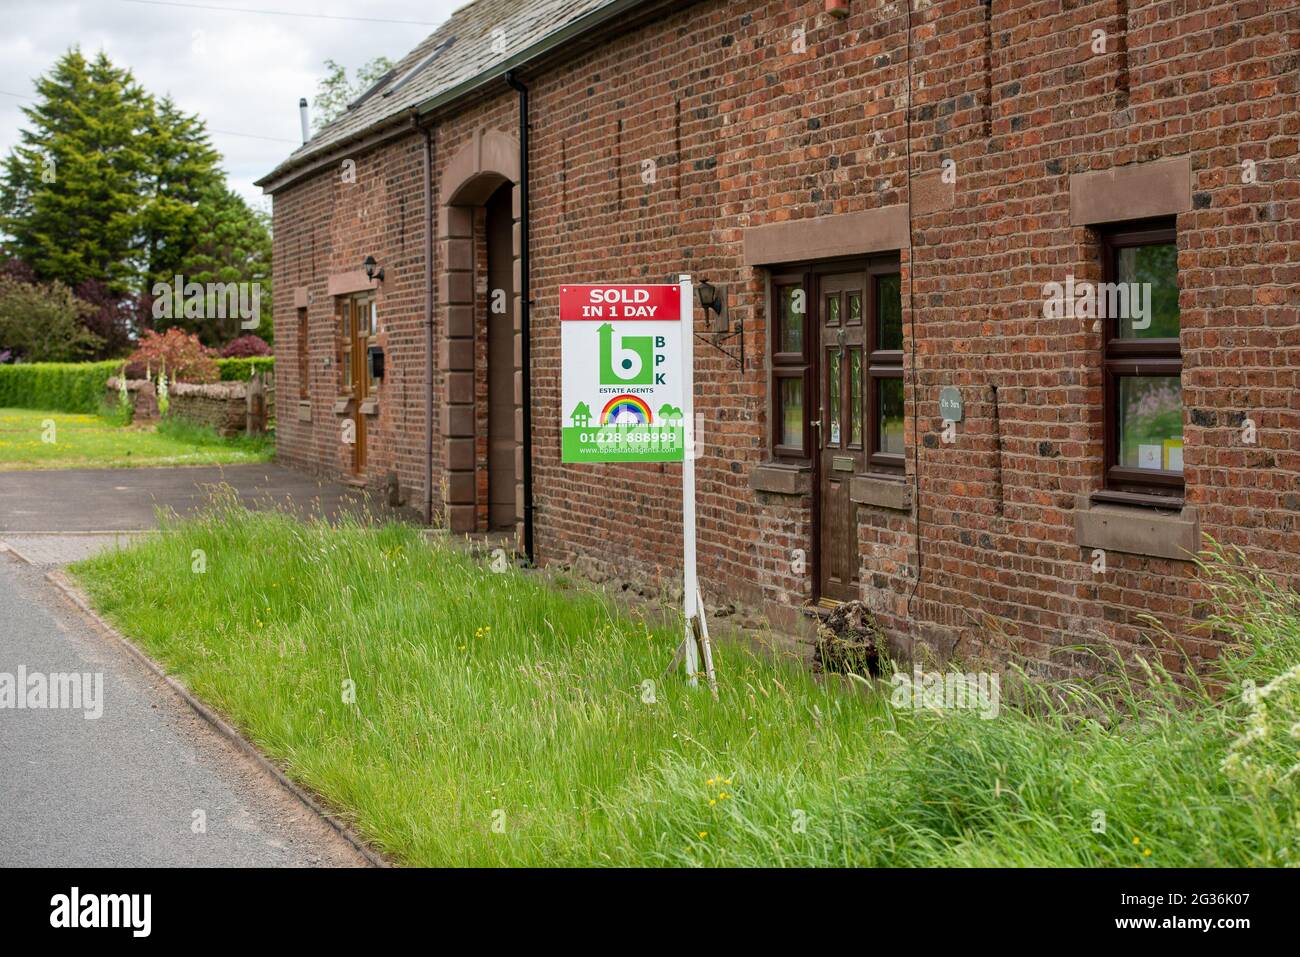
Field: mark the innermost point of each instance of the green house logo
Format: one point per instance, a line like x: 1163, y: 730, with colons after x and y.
x: 631, y: 364
x: 581, y: 417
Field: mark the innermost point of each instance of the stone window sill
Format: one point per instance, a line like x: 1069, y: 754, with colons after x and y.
x: 882, y: 491
x: 304, y: 411
x: 1167, y: 503
x: 1139, y: 529
x: 342, y: 404
x: 370, y: 407
x: 781, y: 479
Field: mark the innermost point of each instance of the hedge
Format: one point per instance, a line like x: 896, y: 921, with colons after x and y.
x: 240, y: 370
x: 79, y: 386
x: 56, y: 386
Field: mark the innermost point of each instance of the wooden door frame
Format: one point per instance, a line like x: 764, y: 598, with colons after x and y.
x: 359, y: 346
x: 808, y: 274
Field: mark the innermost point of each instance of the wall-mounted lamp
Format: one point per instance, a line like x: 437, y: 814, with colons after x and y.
x: 708, y: 296
x: 713, y: 298
x: 370, y: 265
x: 838, y: 8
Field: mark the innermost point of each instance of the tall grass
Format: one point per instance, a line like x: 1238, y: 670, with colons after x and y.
x: 500, y: 720
x: 199, y: 434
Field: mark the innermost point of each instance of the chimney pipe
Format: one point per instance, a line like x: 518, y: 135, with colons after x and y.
x: 302, y: 116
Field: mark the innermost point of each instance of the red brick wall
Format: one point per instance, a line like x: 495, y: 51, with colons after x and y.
x: 745, y: 131
x: 326, y: 225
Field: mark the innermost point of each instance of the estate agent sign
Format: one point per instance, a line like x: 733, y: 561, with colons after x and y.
x: 622, y: 376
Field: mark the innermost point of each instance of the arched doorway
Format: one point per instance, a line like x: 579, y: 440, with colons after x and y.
x: 479, y: 348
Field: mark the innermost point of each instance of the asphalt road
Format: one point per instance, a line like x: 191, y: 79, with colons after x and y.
x: 122, y: 789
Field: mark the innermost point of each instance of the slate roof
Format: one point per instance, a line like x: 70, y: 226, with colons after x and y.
x: 456, y: 52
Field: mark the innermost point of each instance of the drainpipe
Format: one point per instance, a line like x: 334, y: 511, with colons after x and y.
x: 525, y: 307
x: 428, y: 317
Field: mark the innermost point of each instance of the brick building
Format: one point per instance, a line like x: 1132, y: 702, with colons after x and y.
x: 1014, y: 284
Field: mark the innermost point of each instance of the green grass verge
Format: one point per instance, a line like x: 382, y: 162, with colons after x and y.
x: 485, y: 698
x: 31, y: 439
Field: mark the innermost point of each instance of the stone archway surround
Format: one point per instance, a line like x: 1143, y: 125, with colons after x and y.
x: 478, y: 169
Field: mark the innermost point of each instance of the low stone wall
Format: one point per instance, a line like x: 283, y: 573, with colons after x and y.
x: 222, y: 405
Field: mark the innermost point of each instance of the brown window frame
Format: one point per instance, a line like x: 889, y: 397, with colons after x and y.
x: 304, y: 355
x: 790, y: 365
x: 1125, y: 358
x: 881, y: 364
x: 877, y: 364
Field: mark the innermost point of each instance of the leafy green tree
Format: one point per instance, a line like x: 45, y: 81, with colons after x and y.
x: 70, y: 190
x: 43, y: 322
x: 184, y: 173
x: 335, y: 92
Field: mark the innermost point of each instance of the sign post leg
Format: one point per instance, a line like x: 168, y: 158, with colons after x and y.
x: 690, y: 584
x: 706, y: 646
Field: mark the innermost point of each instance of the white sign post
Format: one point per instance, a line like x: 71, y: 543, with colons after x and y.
x: 690, y: 581
x: 696, y: 639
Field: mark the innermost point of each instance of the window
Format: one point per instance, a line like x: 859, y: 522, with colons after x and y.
x: 791, y: 367
x: 885, y: 369
x: 368, y: 313
x: 304, y: 364
x: 346, y: 340
x: 837, y: 363
x: 1142, y: 361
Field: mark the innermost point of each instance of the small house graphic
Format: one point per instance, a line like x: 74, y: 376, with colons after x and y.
x: 581, y: 416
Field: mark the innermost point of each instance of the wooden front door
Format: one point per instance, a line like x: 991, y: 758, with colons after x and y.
x: 357, y: 326
x: 501, y: 360
x: 838, y: 302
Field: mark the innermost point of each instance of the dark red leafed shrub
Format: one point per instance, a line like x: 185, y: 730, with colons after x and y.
x: 245, y: 347
x: 186, y: 359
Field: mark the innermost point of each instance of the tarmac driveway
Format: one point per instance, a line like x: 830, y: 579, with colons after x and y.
x: 57, y: 516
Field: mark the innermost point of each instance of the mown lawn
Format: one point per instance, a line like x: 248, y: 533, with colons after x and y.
x: 32, y: 439
x: 459, y: 716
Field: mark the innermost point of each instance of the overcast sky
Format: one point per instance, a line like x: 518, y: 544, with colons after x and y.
x: 243, y: 72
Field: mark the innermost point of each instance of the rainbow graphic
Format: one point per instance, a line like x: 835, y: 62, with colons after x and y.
x: 625, y: 410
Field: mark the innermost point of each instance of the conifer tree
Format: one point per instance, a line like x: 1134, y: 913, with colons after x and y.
x: 113, y: 190
x: 184, y: 172
x: 70, y: 190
